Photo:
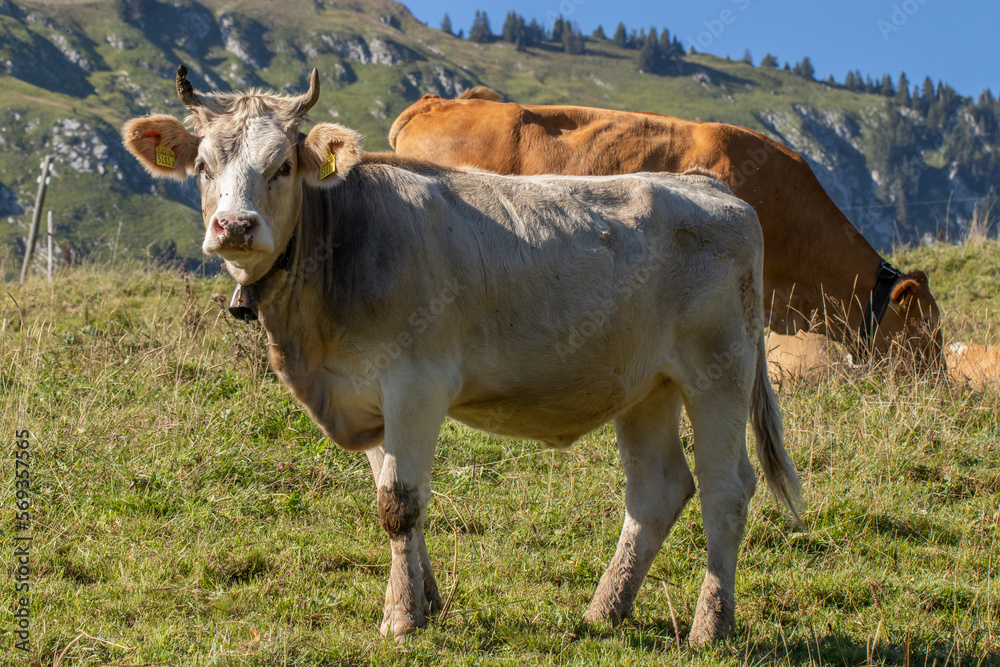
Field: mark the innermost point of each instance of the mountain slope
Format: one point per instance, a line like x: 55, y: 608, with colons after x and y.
x: 73, y: 71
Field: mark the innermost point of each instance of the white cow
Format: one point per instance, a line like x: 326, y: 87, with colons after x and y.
x: 395, y: 293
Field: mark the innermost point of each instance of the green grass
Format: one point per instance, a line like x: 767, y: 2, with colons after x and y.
x: 963, y: 278
x: 187, y: 511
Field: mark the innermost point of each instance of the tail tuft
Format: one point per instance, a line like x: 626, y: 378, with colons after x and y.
x: 481, y: 93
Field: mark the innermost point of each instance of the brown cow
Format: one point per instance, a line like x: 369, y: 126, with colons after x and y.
x: 811, y: 248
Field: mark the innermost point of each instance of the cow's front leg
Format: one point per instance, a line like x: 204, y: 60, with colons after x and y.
x: 412, y: 421
x: 375, y: 457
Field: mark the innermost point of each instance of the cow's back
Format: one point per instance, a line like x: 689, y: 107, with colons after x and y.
x: 544, y: 290
x: 569, y: 277
x: 509, y: 138
x: 802, y: 227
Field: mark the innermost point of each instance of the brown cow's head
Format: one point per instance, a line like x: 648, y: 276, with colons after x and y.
x: 912, y: 321
x: 250, y: 160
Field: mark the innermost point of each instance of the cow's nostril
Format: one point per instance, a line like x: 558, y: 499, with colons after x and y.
x: 217, y: 227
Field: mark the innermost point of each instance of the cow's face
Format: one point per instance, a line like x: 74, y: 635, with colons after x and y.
x: 912, y: 320
x: 250, y: 162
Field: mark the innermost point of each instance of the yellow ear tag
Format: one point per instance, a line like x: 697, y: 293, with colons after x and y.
x: 164, y: 157
x: 328, y: 167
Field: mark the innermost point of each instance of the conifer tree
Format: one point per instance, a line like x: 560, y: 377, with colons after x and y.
x: 927, y: 91
x: 557, y: 29
x: 805, y: 69
x: 514, y: 31
x: 534, y: 34
x: 480, y: 31
x: 599, y: 33
x: 649, y: 53
x: 621, y: 36
x: 509, y: 28
x: 859, y: 81
x: 903, y: 90
x: 446, y: 24
x: 769, y: 61
x: 666, y: 49
x: 572, y: 39
x: 747, y: 58
x: 885, y: 87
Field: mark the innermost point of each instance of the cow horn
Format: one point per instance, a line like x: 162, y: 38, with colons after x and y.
x: 308, y: 98
x: 185, y: 91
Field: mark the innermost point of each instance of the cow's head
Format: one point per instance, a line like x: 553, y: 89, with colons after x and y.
x: 250, y: 160
x: 912, y: 321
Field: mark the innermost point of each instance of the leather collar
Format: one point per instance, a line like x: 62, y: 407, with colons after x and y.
x: 881, y: 295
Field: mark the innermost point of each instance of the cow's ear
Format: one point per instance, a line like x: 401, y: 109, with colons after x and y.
x: 164, y: 147
x: 909, y: 285
x: 328, y: 153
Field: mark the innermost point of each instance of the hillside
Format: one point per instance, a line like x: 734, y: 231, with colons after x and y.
x: 73, y: 71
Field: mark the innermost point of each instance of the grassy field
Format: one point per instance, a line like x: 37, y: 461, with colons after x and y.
x: 187, y: 512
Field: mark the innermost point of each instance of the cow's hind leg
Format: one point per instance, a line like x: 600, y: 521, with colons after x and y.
x: 375, y: 457
x: 726, y: 482
x: 658, y: 484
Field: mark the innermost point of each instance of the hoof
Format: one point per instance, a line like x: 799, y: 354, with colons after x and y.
x: 604, y: 615
x: 399, y: 625
x: 709, y: 629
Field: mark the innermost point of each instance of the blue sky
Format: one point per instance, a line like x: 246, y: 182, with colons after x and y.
x: 953, y: 41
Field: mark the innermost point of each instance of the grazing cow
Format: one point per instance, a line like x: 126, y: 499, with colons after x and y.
x: 395, y: 293
x: 811, y: 249
x: 974, y: 364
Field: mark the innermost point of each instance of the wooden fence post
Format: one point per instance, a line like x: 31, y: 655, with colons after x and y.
x: 36, y: 217
x: 51, y: 230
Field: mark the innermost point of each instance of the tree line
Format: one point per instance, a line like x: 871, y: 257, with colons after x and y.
x: 964, y: 132
x: 564, y: 34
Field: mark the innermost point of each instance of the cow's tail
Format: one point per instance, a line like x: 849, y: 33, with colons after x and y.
x: 766, y: 418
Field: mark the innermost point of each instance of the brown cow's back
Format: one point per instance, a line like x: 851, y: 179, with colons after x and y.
x: 818, y: 269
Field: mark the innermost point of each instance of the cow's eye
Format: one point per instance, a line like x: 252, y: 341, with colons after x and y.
x: 203, y: 169
x: 285, y: 170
